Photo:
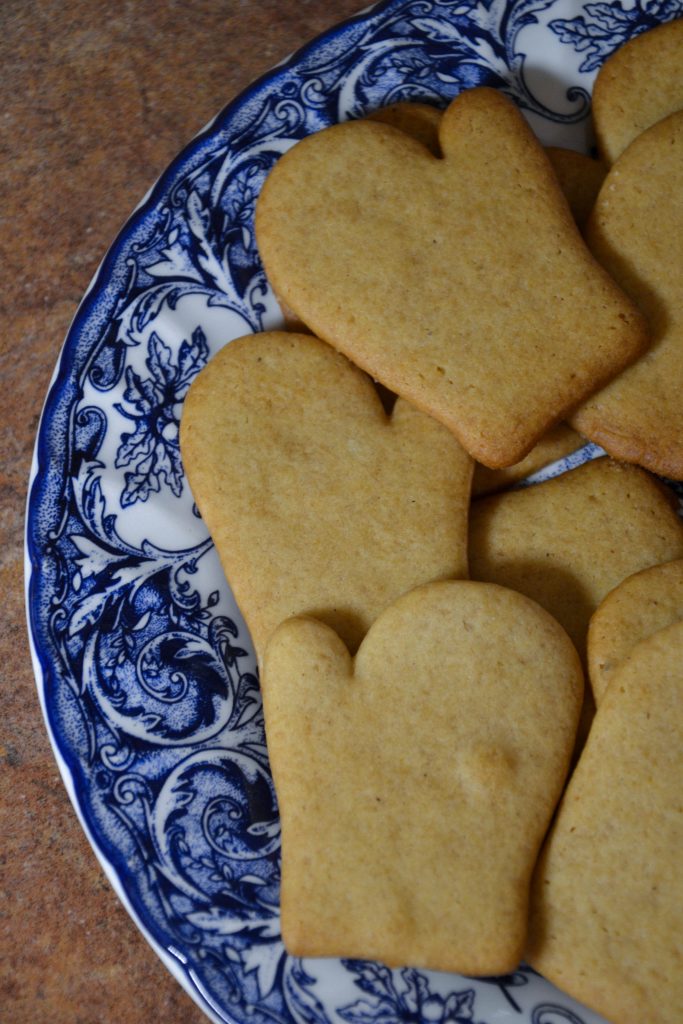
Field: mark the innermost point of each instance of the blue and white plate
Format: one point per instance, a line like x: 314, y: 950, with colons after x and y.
x: 144, y: 666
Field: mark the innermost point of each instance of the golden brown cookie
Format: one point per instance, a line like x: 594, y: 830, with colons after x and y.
x: 318, y: 502
x: 416, y: 782
x: 644, y: 603
x: 429, y: 281
x: 636, y: 231
x: 568, y: 541
x: 607, y: 901
x: 638, y: 85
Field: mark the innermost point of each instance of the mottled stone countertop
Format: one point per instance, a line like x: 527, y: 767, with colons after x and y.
x: 97, y: 98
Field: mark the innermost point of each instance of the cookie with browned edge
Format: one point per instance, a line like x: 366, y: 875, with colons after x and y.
x: 568, y: 541
x: 470, y: 301
x: 607, y: 901
x: 318, y: 502
x: 416, y: 781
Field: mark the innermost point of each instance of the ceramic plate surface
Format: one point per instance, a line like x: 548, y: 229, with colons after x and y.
x: 144, y: 666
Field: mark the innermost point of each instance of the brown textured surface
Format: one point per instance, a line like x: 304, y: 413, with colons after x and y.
x: 96, y: 99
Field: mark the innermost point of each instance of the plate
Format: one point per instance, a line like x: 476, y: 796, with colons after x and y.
x: 144, y: 667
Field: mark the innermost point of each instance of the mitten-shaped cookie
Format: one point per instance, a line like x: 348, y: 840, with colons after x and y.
x: 568, y: 541
x: 640, y: 606
x: 318, y: 502
x: 636, y: 231
x: 416, y: 781
x: 607, y: 902
x: 461, y: 283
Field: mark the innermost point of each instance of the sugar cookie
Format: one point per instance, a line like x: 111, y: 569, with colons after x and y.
x: 607, y: 900
x: 568, y: 541
x: 429, y: 281
x: 416, y: 783
x: 317, y: 501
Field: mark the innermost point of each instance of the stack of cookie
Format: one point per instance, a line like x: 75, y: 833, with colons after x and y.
x: 421, y: 653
